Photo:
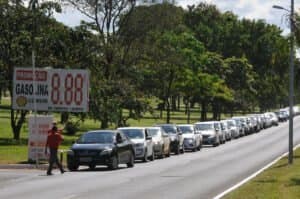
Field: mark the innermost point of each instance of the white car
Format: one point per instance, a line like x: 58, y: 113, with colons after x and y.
x: 233, y: 129
x: 143, y: 143
x: 225, y: 128
x: 161, y: 141
x: 209, y: 133
x: 192, y: 139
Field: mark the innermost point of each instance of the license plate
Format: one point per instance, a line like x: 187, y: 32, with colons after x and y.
x: 85, y: 159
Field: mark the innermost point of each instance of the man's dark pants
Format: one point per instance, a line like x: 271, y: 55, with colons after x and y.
x: 54, y: 159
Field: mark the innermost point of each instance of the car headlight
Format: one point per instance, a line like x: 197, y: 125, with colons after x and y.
x: 106, y: 151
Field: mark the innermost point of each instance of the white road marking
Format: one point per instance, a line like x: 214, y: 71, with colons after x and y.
x: 253, y: 175
x: 69, y: 196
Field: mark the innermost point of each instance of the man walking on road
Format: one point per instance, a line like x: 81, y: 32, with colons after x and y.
x: 53, y: 141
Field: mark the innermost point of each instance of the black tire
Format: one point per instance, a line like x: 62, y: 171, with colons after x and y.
x: 152, y: 157
x: 72, y: 166
x: 130, y: 164
x: 169, y: 152
x: 162, y: 155
x: 92, y: 166
x: 114, y: 163
x: 177, y: 150
x: 145, y: 159
x: 217, y: 142
x: 182, y: 150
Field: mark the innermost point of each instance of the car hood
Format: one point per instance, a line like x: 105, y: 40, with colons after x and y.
x: 79, y: 146
x: 136, y: 141
x: 188, y: 135
x: 156, y: 139
x: 208, y: 132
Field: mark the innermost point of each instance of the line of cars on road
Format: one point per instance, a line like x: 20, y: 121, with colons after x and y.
x: 128, y: 144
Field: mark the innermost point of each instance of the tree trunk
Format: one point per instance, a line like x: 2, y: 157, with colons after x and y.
x: 174, y: 104
x: 178, y: 103
x: 188, y: 113
x: 203, y: 111
x: 168, y: 112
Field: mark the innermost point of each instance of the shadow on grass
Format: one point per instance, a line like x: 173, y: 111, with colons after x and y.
x: 280, y: 166
x: 12, y: 142
x: 295, y: 182
x: 266, y: 181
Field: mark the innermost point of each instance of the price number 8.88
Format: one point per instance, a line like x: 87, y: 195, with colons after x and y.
x: 72, y: 87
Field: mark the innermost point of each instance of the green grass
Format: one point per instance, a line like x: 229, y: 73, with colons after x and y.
x: 281, y: 181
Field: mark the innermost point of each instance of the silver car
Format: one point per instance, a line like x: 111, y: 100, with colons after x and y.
x: 209, y: 133
x: 192, y: 139
x: 143, y: 143
x: 161, y: 141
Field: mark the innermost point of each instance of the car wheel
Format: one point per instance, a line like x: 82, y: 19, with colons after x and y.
x: 152, y: 157
x: 183, y: 149
x: 130, y: 164
x: 162, y: 155
x: 92, y: 166
x: 177, y: 150
x: 114, y: 163
x: 72, y: 166
x: 169, y: 152
x: 145, y: 159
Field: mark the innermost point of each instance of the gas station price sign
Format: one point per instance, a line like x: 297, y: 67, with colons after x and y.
x: 62, y: 90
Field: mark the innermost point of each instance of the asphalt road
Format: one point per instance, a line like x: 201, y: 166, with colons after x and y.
x: 198, y: 175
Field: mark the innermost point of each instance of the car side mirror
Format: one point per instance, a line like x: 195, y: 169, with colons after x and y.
x: 148, y: 138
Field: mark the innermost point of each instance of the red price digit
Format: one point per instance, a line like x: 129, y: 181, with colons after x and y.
x: 55, y: 83
x: 78, y: 97
x: 69, y: 89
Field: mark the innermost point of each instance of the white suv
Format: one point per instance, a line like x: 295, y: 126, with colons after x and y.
x: 143, y: 144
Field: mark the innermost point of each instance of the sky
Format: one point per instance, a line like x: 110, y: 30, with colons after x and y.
x: 251, y: 9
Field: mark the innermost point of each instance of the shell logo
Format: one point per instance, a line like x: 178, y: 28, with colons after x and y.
x: 21, y: 101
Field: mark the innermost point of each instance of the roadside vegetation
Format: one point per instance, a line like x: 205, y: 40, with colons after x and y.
x: 279, y: 181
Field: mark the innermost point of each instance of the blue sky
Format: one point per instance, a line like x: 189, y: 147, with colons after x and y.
x: 251, y: 9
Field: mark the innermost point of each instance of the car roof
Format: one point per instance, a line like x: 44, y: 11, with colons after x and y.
x: 124, y: 128
x: 102, y: 131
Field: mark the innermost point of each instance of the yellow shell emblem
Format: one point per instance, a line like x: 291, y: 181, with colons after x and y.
x: 21, y: 101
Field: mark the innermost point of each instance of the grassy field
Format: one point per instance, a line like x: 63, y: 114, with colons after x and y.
x: 281, y: 181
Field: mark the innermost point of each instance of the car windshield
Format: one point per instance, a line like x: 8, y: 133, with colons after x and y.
x: 186, y: 129
x: 133, y: 133
x: 203, y: 127
x: 97, y: 137
x: 153, y: 132
x: 169, y: 129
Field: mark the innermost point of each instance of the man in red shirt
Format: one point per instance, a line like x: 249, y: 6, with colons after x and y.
x: 53, y: 141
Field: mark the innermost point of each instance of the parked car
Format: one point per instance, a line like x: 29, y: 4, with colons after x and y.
x: 175, y: 134
x: 143, y: 144
x: 192, y: 139
x: 209, y: 133
x: 101, y: 147
x: 224, y: 126
x: 233, y: 129
x: 282, y: 116
x: 161, y: 141
x: 239, y: 127
x: 244, y: 124
x: 222, y: 133
x: 273, y: 118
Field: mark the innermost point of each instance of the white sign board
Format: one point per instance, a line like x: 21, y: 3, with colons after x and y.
x: 38, y: 132
x: 52, y: 89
